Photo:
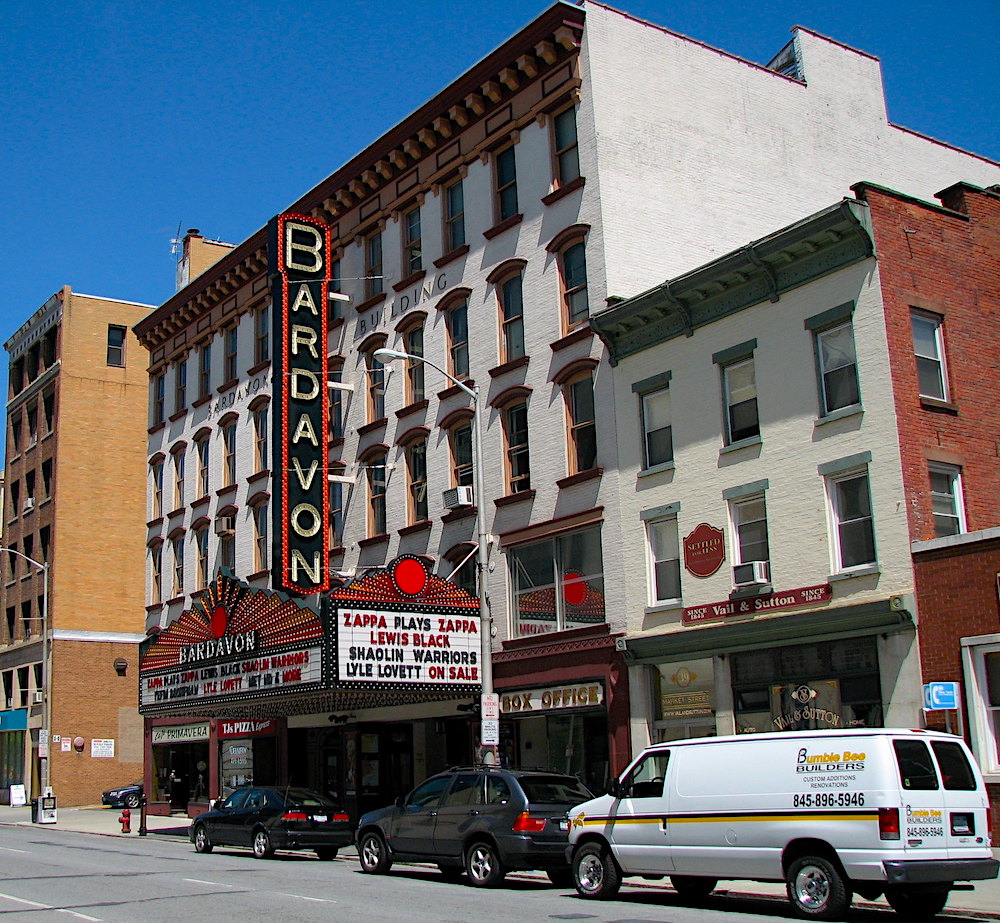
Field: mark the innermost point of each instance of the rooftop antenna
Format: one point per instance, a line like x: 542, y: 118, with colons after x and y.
x: 175, y: 242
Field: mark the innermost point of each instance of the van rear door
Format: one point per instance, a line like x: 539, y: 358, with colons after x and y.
x: 922, y: 819
x: 963, y: 797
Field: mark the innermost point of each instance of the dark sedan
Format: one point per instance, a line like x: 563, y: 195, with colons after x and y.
x: 266, y: 819
x: 127, y: 796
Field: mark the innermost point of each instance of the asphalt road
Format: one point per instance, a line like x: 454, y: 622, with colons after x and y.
x: 53, y: 874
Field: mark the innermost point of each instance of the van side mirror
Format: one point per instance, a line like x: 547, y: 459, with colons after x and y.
x: 400, y: 801
x: 614, y: 788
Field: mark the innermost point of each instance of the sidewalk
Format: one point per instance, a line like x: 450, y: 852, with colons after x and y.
x: 982, y: 903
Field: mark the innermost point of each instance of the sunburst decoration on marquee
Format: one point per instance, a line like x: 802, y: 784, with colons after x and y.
x: 228, y: 607
x: 405, y: 580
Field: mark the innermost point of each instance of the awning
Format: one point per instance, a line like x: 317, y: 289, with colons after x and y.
x: 773, y: 631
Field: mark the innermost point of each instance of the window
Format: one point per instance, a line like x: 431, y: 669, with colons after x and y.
x: 460, y: 437
x: 646, y: 778
x: 116, y: 346
x: 260, y: 436
x: 230, y: 340
x: 928, y: 346
x: 512, y: 312
x: 573, y: 266
x: 33, y: 423
x: 201, y: 555
x: 260, y: 520
x: 45, y: 542
x: 336, y: 374
x: 838, y: 367
x: 177, y: 547
x: 227, y: 538
x: 454, y: 216
x: 460, y: 567
x: 557, y: 583
x: 430, y: 792
x: 156, y: 488
x: 202, y: 450
x: 335, y: 309
x: 740, y: 386
x: 15, y: 433
x: 49, y: 410
x: 579, y: 396
x: 515, y: 426
x: 229, y: 453
x: 156, y: 573
x: 373, y: 264
x: 852, y: 516
x: 658, y: 442
x: 412, y: 259
x: 180, y: 385
x: 664, y: 560
x: 262, y: 335
x: 178, y: 460
x: 376, y: 387
x: 205, y: 370
x: 982, y: 681
x: 505, y: 179
x: 159, y: 385
x: 457, y: 319
x: 376, y: 472
x: 946, y: 499
x: 336, y: 514
x: 416, y: 477
x: 750, y: 530
x: 413, y: 343
x: 567, y: 153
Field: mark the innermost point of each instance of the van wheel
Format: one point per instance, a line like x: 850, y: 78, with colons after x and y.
x: 596, y: 875
x: 816, y: 889
x: 483, y: 865
x: 693, y: 887
x: 916, y: 905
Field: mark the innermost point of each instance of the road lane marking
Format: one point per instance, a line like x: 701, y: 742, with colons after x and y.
x: 318, y: 900
x: 79, y: 916
x: 201, y: 881
x: 11, y: 849
x: 21, y: 900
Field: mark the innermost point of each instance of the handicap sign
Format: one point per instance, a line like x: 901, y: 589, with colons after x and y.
x: 938, y: 696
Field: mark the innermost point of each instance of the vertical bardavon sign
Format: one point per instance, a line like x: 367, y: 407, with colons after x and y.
x: 299, y: 260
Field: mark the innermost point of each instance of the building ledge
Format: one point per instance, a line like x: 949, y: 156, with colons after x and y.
x: 451, y: 256
x: 955, y: 541
x: 504, y: 225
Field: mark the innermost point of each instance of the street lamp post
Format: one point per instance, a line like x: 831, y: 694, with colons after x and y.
x: 43, y: 566
x: 482, y: 535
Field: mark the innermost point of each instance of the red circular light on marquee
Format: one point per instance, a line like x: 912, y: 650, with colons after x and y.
x: 409, y: 575
x: 220, y: 618
x: 574, y: 588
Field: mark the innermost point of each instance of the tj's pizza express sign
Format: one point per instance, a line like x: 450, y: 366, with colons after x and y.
x: 233, y: 644
x: 404, y: 627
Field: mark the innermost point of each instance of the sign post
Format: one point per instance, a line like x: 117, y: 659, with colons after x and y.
x: 944, y: 697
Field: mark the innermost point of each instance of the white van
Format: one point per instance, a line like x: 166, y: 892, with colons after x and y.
x: 831, y: 813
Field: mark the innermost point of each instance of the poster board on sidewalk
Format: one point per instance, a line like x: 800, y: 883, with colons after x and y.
x: 18, y: 796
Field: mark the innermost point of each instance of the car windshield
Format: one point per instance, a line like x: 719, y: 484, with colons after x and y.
x: 554, y: 789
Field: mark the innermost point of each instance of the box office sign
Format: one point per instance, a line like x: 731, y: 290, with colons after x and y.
x: 404, y: 627
x: 299, y: 263
x: 551, y: 698
x: 236, y: 643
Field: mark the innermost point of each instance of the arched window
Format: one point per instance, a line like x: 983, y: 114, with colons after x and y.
x: 375, y: 377
x: 335, y: 373
x: 225, y: 529
x: 413, y: 343
x: 177, y: 454
x: 261, y: 434
x: 415, y: 448
x: 460, y: 442
x: 156, y: 572
x: 456, y: 318
x: 156, y: 486
x: 577, y: 383
x: 227, y: 427
x: 511, y: 301
x: 177, y: 552
x: 375, y: 470
x: 202, y: 446
x: 571, y: 254
x: 200, y: 532
x: 261, y: 513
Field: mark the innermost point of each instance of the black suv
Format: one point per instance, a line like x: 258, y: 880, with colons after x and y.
x: 487, y: 821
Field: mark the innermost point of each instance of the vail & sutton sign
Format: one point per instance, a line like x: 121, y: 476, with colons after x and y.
x: 299, y: 254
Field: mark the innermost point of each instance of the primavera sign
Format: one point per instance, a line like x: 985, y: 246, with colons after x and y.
x: 299, y: 260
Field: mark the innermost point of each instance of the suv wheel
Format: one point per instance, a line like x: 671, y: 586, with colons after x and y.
x: 483, y: 865
x: 595, y: 873
x: 373, y: 853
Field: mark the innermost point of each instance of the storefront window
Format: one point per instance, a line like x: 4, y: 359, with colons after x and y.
x: 685, y: 700
x: 557, y: 583
x: 809, y: 686
x: 574, y: 744
x: 180, y: 773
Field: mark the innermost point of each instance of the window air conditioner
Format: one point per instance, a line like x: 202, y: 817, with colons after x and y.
x: 225, y: 525
x: 753, y: 573
x: 455, y: 497
x: 38, y: 698
x: 29, y: 504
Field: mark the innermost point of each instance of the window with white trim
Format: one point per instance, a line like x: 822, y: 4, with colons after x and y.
x: 261, y: 432
x: 853, y: 525
x: 946, y: 499
x: 229, y: 453
x: 201, y: 555
x: 838, y: 367
x: 156, y: 573
x: 657, y: 429
x: 740, y: 386
x: 178, y: 464
x: 565, y: 146
x: 663, y: 560
x: 156, y: 488
x: 177, y: 549
x: 116, y: 346
x: 202, y: 445
x: 261, y: 514
x: 375, y: 470
x: 749, y: 518
x: 928, y: 348
x: 982, y: 682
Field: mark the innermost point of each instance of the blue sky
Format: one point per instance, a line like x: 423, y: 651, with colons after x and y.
x: 124, y: 122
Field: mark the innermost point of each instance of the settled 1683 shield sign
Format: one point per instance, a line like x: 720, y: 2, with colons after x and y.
x: 299, y: 253
x: 704, y: 550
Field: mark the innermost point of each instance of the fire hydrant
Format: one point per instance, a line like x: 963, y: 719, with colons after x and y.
x: 126, y: 821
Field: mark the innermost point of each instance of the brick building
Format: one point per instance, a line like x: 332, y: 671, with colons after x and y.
x: 76, y: 408
x: 939, y: 264
x: 481, y: 233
